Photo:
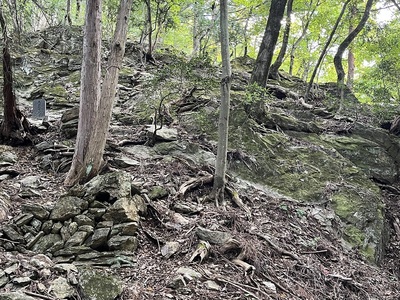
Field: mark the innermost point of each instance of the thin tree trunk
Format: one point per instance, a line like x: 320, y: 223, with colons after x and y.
x: 150, y: 27
x: 195, y: 30
x: 15, y: 128
x: 271, y: 34
x: 83, y: 166
x: 274, y: 70
x: 68, y: 13
x: 92, y: 133
x: 246, y: 37
x: 337, y: 60
x: 114, y: 62
x: 310, y: 84
x: 301, y: 37
x: 223, y: 123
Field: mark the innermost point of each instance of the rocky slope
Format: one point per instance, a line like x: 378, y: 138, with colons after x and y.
x: 312, y: 198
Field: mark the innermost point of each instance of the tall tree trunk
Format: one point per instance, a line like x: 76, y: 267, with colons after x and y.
x: 350, y: 54
x: 196, y: 30
x: 271, y: 34
x: 274, y: 70
x: 223, y: 123
x: 301, y: 37
x: 246, y: 36
x: 149, y: 53
x: 85, y: 162
x: 95, y: 107
x: 328, y: 42
x: 68, y: 13
x: 337, y: 60
x: 15, y: 128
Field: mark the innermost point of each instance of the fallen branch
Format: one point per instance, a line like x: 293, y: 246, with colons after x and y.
x: 235, y: 198
x: 193, y: 183
x: 276, y: 247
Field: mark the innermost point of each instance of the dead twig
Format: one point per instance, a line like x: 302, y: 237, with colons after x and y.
x: 276, y: 247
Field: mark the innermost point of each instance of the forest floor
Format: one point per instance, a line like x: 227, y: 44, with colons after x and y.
x: 288, y: 253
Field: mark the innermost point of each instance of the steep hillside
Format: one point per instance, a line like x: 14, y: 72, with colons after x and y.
x: 312, y: 205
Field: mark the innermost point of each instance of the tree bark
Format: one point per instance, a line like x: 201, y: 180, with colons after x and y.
x: 266, y: 51
x: 274, y: 70
x: 85, y: 162
x: 314, y: 73
x: 223, y: 123
x: 96, y: 107
x: 346, y: 43
x: 15, y: 128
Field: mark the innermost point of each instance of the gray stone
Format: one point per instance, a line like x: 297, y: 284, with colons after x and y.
x: 72, y: 251
x: 57, y: 246
x: 38, y: 211
x: 110, y: 186
x: 99, y: 238
x: 83, y: 220
x: 123, y: 210
x: 164, y: 134
x: 97, y: 213
x: 212, y: 236
x: 169, y: 249
x: 61, y: 289
x: 70, y: 114
x: 30, y: 182
x: 47, y: 241
x: 125, y: 162
x: 68, y: 207
x: 212, y: 285
x: 97, y: 286
x: 125, y: 228
x: 23, y: 219
x: 105, y: 224
x: 56, y: 227
x: 32, y: 241
x: 7, y: 156
x: 47, y: 226
x: 15, y: 296
x: 77, y: 239
x: 176, y: 282
x: 157, y: 192
x: 65, y: 268
x: 21, y: 281
x: 72, y: 228
x: 36, y: 224
x: 189, y: 273
x: 124, y: 243
x: 39, y: 109
x: 41, y: 261
x: 12, y: 233
x: 65, y: 235
x: 70, y: 128
x: 86, y: 228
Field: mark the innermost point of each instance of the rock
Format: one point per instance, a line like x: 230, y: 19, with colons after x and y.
x: 45, y: 242
x: 157, y: 192
x: 41, y: 261
x: 11, y: 232
x: 169, y: 249
x: 77, y: 239
x: 7, y: 156
x: 129, y: 228
x: 108, y: 187
x: 176, y: 282
x: 123, y: 210
x: 70, y: 114
x: 124, y: 243
x: 125, y: 162
x: 188, y: 273
x: 97, y: 286
x: 68, y: 207
x: 83, y: 220
x: 212, y: 236
x: 72, y: 251
x: 15, y: 296
x: 21, y: 281
x: 212, y: 285
x: 65, y: 268
x: 164, y: 134
x: 60, y: 288
x: 38, y: 211
x: 30, y: 182
x: 99, y: 238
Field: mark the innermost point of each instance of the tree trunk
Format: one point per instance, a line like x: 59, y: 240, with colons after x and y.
x: 301, y: 37
x: 271, y: 34
x: 86, y: 160
x: 223, y: 123
x: 346, y: 43
x: 15, y: 129
x: 274, y: 70
x: 196, y: 30
x: 68, y: 13
x: 149, y: 53
x: 95, y: 107
x: 310, y: 84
